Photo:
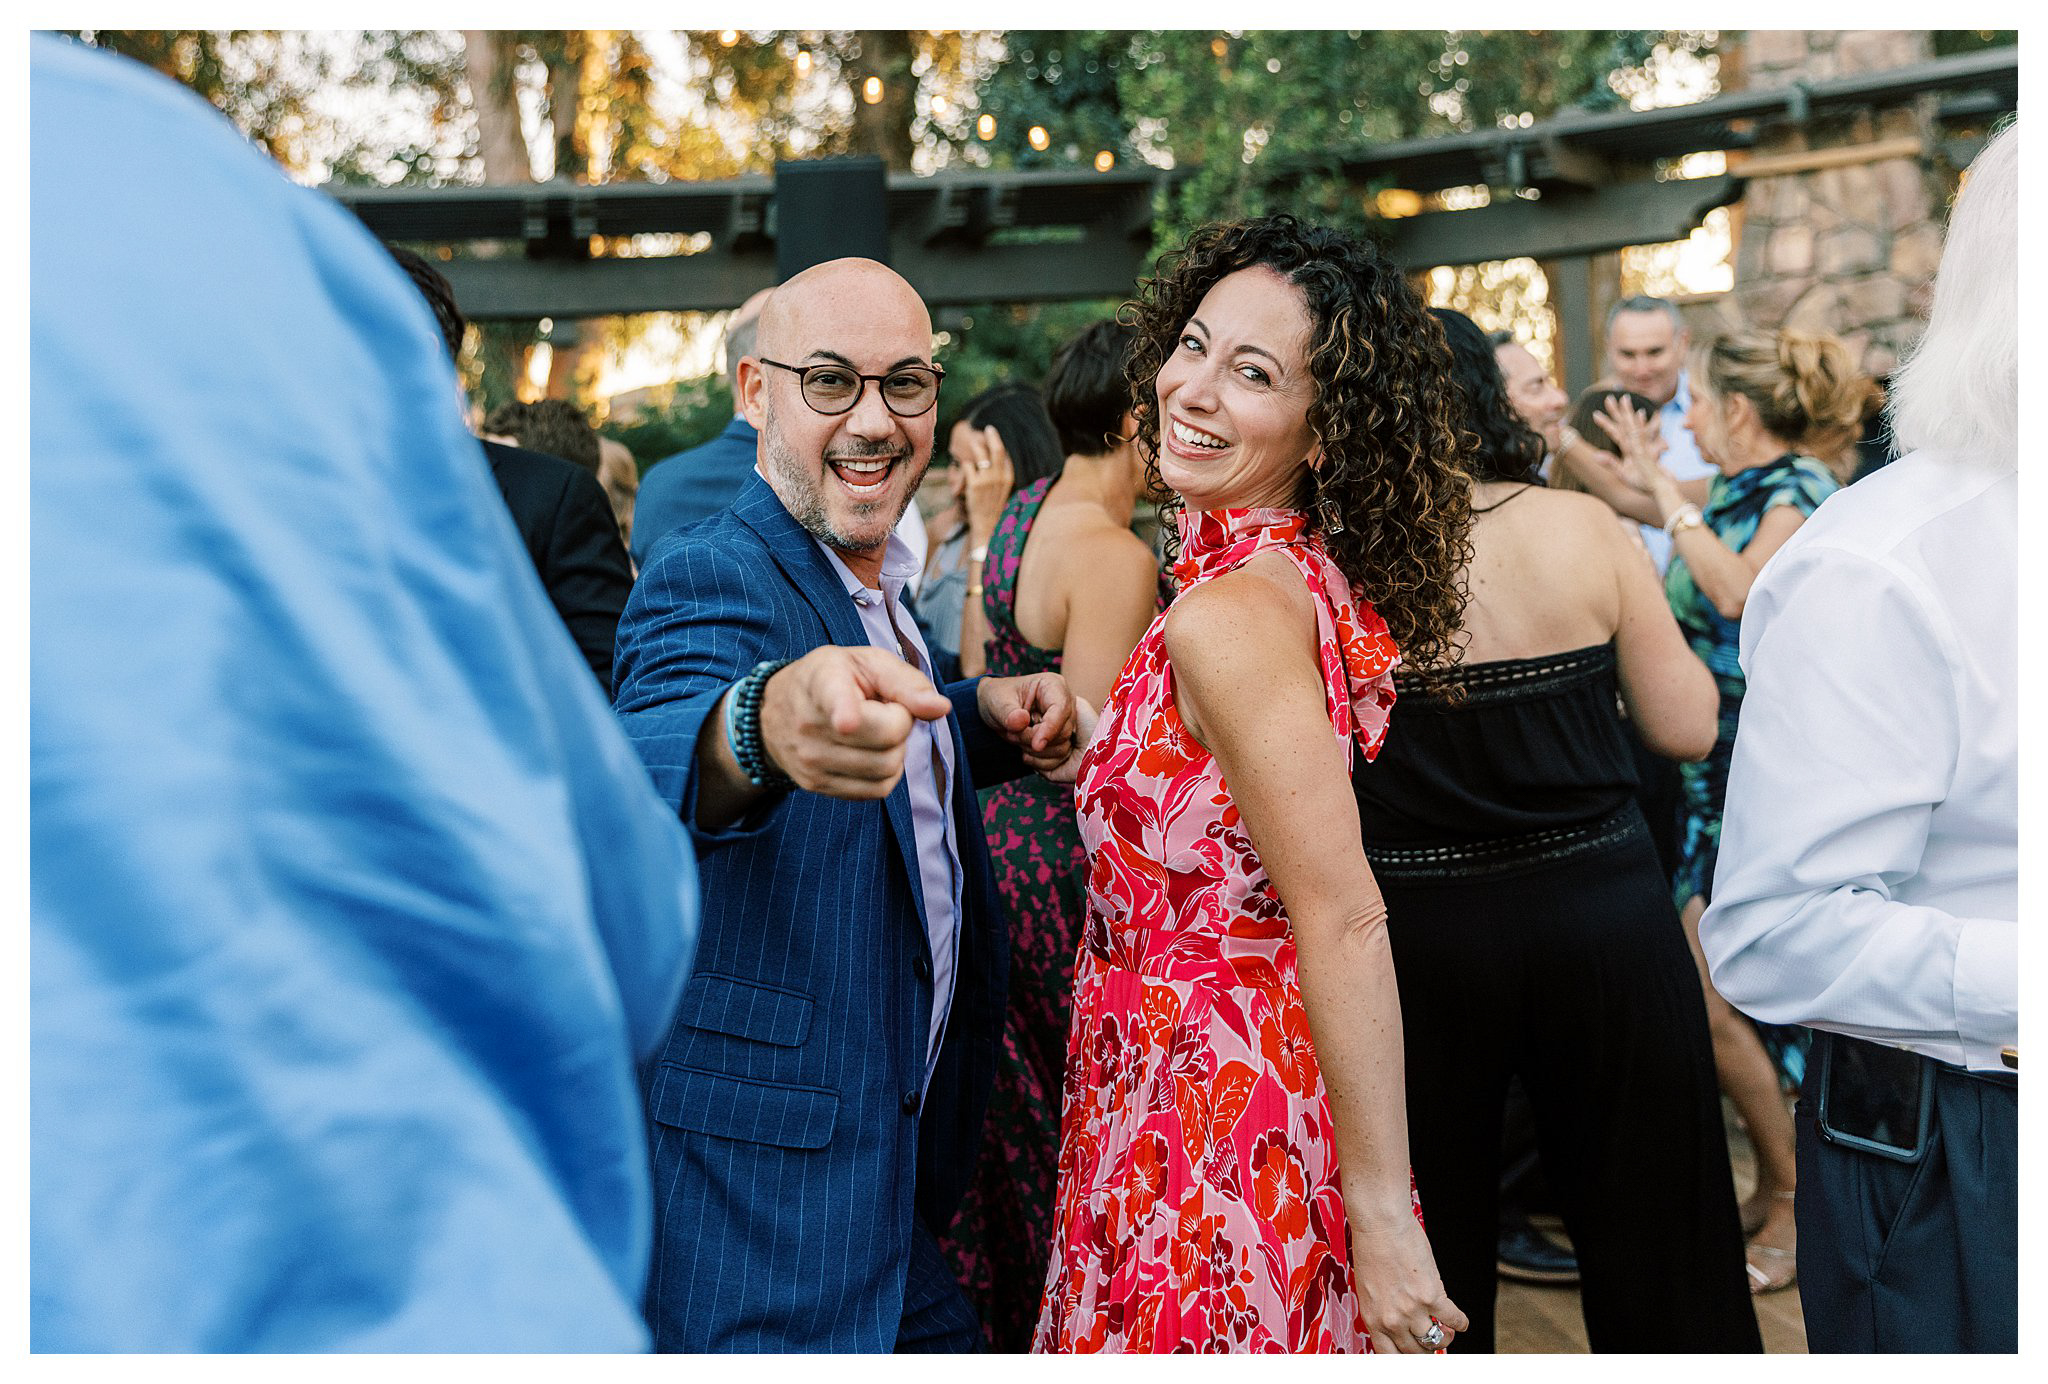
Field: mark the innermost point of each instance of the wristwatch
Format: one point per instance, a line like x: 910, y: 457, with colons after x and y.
x: 1686, y: 516
x: 743, y: 726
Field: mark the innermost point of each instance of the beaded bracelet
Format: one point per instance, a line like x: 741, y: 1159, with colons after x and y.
x: 743, y: 726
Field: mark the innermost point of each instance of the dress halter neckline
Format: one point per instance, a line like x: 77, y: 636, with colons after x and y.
x: 1215, y: 541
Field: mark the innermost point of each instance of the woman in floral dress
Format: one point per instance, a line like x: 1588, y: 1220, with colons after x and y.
x: 1076, y: 606
x: 1233, y: 1171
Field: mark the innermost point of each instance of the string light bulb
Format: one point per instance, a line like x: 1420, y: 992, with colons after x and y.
x: 871, y: 91
x: 1039, y: 138
x: 728, y: 37
x: 1104, y: 161
x: 986, y: 127
x: 803, y: 62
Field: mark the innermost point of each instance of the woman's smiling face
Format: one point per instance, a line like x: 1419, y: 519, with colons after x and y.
x: 1234, y: 396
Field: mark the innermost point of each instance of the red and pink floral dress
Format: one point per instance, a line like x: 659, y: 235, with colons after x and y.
x: 1198, y: 1205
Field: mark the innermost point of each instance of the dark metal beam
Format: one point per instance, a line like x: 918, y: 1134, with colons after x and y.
x: 1562, y: 225
x: 945, y: 274
x: 962, y: 236
x: 515, y: 286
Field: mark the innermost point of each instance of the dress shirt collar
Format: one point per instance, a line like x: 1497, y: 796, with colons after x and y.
x: 899, y: 565
x: 1680, y: 403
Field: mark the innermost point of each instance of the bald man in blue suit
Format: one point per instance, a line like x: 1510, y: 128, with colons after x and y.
x: 818, y: 1103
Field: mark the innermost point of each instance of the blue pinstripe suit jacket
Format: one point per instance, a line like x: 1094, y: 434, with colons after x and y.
x: 791, y: 1149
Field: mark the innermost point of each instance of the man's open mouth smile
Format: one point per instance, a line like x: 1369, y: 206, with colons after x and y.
x: 863, y: 477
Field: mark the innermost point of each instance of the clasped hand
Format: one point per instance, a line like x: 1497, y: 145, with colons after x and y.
x: 1399, y: 1292
x: 838, y: 720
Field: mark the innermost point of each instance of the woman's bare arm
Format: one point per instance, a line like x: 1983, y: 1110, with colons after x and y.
x: 1249, y: 685
x: 1723, y: 575
x: 1670, y: 695
x: 1111, y: 583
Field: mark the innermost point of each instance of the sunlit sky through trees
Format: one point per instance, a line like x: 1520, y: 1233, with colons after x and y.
x: 392, y: 105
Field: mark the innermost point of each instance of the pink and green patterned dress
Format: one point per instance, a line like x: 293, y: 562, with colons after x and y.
x: 999, y: 1240
x: 1199, y: 1207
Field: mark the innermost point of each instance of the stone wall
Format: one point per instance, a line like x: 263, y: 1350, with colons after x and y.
x: 1849, y: 248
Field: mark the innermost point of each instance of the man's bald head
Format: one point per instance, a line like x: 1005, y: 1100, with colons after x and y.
x: 867, y: 287
x: 847, y: 476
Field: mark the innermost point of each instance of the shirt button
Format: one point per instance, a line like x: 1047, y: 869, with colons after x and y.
x: 921, y: 968
x: 911, y: 1101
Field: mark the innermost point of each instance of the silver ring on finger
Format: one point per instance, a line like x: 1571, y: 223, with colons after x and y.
x: 1434, y: 1338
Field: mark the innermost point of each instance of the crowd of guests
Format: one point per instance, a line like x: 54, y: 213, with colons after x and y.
x: 989, y: 928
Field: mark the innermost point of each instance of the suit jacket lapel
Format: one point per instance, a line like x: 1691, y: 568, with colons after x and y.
x: 796, y: 553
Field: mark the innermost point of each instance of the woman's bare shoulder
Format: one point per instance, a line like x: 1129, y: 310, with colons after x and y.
x: 1568, y: 506
x: 1088, y: 544
x: 1262, y: 605
x: 1567, y: 521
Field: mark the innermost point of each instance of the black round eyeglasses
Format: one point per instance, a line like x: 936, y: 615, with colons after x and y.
x: 830, y: 388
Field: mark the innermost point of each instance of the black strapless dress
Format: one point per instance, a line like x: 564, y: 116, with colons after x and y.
x: 1534, y: 936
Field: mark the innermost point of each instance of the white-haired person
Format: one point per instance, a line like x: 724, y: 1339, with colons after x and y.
x: 1868, y: 875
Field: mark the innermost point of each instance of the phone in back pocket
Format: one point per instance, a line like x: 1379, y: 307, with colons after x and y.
x: 1875, y: 1098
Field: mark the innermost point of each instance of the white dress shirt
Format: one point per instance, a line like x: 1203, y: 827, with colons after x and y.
x: 1681, y: 458
x: 1869, y: 869
x: 910, y: 528
x: 889, y: 626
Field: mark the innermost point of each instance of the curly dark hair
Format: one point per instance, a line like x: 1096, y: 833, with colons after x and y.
x: 1504, y: 448
x: 1385, y: 412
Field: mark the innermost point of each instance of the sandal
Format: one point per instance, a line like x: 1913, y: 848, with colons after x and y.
x: 1761, y: 1282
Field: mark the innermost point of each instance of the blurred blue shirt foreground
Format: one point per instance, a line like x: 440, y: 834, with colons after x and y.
x: 352, y: 907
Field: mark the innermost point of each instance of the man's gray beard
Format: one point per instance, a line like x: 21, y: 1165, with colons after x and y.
x: 799, y: 495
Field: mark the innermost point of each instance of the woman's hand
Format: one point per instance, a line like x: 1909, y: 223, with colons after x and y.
x: 1399, y: 1292
x: 1640, y: 441
x: 989, y: 477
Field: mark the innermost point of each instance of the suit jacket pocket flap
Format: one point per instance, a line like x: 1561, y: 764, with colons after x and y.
x: 791, y: 1117
x: 746, y: 1009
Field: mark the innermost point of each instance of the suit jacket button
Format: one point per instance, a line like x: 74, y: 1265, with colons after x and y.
x: 921, y: 968
x: 911, y: 1101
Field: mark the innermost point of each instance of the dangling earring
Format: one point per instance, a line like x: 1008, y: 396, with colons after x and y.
x: 1327, y: 509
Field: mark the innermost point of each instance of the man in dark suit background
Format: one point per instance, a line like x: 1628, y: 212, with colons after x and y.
x: 563, y: 516
x: 697, y: 483
x: 565, y: 520
x: 818, y: 1103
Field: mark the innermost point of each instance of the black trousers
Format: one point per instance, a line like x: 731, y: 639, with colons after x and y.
x: 937, y: 1317
x: 1577, y: 978
x: 1913, y: 1256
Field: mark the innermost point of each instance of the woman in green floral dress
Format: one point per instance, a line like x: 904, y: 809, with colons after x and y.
x: 1756, y: 399
x: 1066, y: 586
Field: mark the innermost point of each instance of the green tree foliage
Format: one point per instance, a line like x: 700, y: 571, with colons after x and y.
x: 1064, y: 81
x: 698, y: 412
x: 279, y: 87
x: 802, y: 93
x: 1258, y: 115
x: 1951, y: 41
x: 998, y: 343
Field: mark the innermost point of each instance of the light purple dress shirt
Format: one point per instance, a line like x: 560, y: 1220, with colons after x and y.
x: 938, y: 842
